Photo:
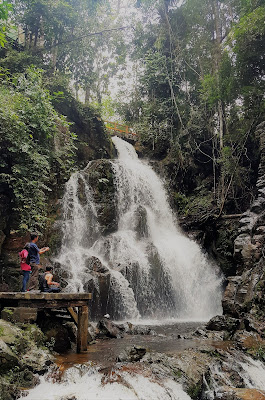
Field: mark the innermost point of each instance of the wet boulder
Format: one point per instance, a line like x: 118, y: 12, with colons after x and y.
x: 8, y: 359
x: 132, y: 354
x: 107, y: 328
x: 223, y: 323
x: 37, y: 360
x: 97, y: 282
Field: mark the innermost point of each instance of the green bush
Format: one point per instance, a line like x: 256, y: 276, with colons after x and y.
x: 36, y: 147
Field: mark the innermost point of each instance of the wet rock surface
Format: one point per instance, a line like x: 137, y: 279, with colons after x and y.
x: 106, y: 328
x: 132, y: 354
x: 8, y: 359
x: 22, y: 356
x: 223, y: 323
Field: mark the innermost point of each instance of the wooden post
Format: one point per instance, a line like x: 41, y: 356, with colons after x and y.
x: 82, y: 329
x: 73, y: 315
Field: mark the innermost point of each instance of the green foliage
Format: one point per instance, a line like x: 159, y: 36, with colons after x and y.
x: 5, y: 7
x: 200, y: 205
x: 210, y: 92
x: 249, y: 37
x: 36, y: 147
x: 17, y: 62
x: 180, y: 201
x: 199, y: 94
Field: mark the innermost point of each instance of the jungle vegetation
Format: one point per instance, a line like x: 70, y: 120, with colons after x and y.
x: 188, y: 76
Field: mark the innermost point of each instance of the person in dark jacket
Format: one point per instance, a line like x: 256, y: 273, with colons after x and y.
x: 34, y: 258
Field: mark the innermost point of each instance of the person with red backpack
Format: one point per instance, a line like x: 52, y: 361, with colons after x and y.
x: 24, y: 266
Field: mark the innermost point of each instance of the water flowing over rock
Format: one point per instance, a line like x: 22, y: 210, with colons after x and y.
x: 231, y: 373
x: 84, y: 382
x: 122, y: 242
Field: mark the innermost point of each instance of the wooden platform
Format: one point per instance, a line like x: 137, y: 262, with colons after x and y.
x: 42, y: 301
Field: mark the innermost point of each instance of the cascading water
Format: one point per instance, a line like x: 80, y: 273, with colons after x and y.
x: 85, y: 382
x: 249, y: 372
x: 154, y: 270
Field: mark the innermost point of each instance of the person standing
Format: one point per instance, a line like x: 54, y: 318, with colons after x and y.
x: 34, y: 257
x: 24, y: 266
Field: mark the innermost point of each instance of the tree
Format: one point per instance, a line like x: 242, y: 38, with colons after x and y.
x: 5, y: 7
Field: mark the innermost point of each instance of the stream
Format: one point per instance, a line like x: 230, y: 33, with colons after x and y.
x: 96, y: 374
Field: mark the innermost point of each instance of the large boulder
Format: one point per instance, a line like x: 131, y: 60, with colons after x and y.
x: 8, y: 359
x: 19, y: 314
x: 106, y: 328
x: 223, y: 323
x: 10, y: 333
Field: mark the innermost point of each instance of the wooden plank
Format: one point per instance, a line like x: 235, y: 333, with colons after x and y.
x: 45, y: 304
x: 82, y: 329
x: 45, y: 296
x: 73, y: 315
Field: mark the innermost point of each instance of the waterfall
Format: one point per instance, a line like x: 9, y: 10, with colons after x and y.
x: 154, y: 270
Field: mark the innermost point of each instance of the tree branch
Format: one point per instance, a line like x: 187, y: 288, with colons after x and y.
x: 85, y: 36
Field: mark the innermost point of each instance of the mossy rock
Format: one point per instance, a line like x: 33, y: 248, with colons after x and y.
x: 8, y: 359
x: 9, y: 333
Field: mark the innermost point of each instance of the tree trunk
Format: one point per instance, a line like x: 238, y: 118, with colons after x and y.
x: 87, y: 94
x: 54, y: 55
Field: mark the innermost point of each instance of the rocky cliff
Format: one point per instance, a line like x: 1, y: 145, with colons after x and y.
x: 91, y: 142
x: 245, y: 292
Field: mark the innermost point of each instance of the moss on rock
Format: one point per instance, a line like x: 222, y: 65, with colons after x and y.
x: 22, y: 355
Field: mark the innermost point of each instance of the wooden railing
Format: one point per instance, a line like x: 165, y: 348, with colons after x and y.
x: 121, y: 130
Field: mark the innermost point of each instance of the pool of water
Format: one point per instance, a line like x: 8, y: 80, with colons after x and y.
x: 105, y: 351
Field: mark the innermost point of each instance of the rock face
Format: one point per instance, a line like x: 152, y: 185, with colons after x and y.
x: 92, y: 142
x: 245, y: 292
x: 22, y: 355
x: 100, y: 178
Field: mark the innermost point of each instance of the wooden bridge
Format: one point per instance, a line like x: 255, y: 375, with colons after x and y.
x: 26, y: 306
x: 121, y: 130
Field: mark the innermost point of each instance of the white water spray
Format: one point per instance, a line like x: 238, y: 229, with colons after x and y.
x: 83, y: 383
x: 155, y: 270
